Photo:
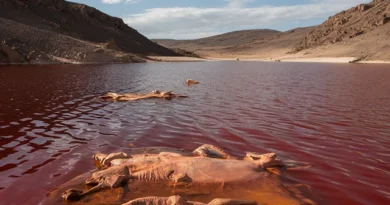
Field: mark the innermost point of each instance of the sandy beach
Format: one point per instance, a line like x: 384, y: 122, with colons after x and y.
x: 175, y: 59
x: 282, y: 59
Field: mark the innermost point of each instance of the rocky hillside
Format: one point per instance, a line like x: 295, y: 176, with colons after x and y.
x: 57, y: 30
x: 260, y: 43
x: 349, y: 24
x: 30, y: 45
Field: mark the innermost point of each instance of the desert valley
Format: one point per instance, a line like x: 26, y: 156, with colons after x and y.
x: 357, y: 34
x: 177, y: 103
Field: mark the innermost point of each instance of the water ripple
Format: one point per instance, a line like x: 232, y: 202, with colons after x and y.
x: 336, y: 117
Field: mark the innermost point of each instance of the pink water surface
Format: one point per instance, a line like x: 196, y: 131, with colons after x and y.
x: 335, y: 117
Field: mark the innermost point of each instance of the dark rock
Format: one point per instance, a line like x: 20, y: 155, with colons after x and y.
x: 363, y: 7
x: 357, y: 33
x: 11, y: 55
x: 385, y: 20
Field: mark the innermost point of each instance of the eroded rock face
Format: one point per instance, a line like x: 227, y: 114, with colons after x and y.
x: 348, y: 24
x: 363, y: 7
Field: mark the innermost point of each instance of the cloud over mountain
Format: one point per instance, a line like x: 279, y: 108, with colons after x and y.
x: 193, y: 22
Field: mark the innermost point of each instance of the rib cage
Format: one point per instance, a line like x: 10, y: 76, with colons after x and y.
x: 153, y: 174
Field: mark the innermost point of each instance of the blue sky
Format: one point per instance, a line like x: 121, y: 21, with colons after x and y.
x: 189, y: 19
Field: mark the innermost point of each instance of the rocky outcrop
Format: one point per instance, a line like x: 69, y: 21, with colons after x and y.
x: 10, y: 54
x: 57, y: 30
x: 348, y: 24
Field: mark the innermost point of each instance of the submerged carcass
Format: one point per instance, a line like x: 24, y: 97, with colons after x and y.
x: 208, y: 171
x: 132, y: 97
x: 191, y: 82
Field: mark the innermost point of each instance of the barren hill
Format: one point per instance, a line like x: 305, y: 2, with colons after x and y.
x: 223, y: 40
x: 42, y: 30
x: 362, y: 32
x: 348, y: 24
x: 259, y: 43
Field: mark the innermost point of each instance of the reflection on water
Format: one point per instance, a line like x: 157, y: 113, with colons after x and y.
x: 265, y: 191
x: 336, y: 117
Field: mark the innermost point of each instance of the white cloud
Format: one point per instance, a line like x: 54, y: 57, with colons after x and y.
x: 111, y: 1
x: 191, y: 22
x: 132, y: 1
x: 119, y: 1
x: 237, y: 3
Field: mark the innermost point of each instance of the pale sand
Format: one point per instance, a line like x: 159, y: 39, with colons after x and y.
x: 175, y: 59
x: 301, y: 59
x: 375, y: 62
x: 292, y: 59
x: 320, y: 60
x: 252, y: 58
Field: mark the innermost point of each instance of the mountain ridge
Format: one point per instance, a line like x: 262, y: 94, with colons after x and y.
x: 263, y: 45
x: 109, y: 36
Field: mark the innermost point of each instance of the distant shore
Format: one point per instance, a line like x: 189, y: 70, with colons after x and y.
x: 156, y: 59
x: 308, y: 60
x: 283, y: 59
x: 176, y: 59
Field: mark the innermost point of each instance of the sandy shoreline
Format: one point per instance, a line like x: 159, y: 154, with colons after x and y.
x: 176, y: 59
x: 156, y: 59
x: 283, y: 59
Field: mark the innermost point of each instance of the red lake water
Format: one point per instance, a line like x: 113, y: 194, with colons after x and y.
x: 335, y: 117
